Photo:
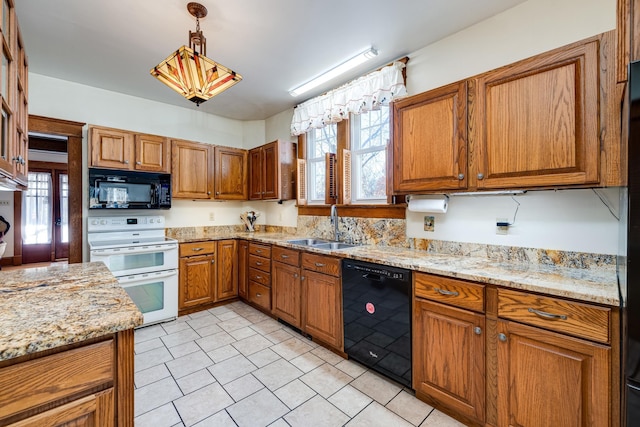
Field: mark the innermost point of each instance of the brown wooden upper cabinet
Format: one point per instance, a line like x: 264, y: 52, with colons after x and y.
x: 230, y: 173
x: 121, y: 149
x: 192, y: 176
x: 272, y: 171
x: 534, y: 123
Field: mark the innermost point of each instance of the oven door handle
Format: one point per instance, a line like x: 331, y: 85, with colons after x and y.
x: 135, y: 250
x: 138, y: 277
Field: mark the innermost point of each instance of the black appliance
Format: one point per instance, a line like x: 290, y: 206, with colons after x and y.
x: 376, y: 304
x: 114, y: 189
x: 629, y: 253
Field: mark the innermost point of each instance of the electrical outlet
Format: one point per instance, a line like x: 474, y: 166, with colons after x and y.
x: 502, y: 226
x: 4, y: 203
x: 212, y: 216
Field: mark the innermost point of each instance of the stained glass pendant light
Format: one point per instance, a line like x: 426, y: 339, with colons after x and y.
x: 189, y: 72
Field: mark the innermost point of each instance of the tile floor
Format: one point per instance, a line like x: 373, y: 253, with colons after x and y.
x: 235, y: 366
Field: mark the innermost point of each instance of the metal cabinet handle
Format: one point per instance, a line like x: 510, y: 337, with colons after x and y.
x: 502, y: 337
x: 217, y: 192
x: 295, y: 275
x: 258, y: 277
x: 477, y: 330
x: 258, y: 263
x: 284, y: 256
x: 259, y: 251
x: 460, y: 176
x: 138, y: 163
x: 546, y: 315
x: 126, y: 162
x: 481, y: 176
x: 445, y: 292
x: 258, y: 295
x: 319, y: 264
x: 208, y: 193
x: 197, y: 249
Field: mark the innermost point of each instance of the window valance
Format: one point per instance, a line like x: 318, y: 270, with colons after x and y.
x: 358, y: 96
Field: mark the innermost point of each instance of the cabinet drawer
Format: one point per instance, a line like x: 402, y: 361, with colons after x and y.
x: 260, y: 295
x: 286, y: 256
x: 574, y: 318
x: 450, y: 291
x: 260, y: 276
x: 48, y: 379
x: 260, y: 250
x: 197, y: 248
x: 260, y: 263
x: 321, y: 264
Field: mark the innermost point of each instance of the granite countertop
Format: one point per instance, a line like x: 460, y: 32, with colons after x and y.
x: 47, y: 307
x: 595, y: 285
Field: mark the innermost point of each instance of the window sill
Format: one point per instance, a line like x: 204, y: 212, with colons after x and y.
x: 358, y: 211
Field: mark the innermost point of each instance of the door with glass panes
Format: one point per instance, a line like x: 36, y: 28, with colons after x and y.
x: 45, y: 210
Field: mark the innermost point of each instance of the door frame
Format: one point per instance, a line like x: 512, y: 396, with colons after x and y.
x: 73, y: 132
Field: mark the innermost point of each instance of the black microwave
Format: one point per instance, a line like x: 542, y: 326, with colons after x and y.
x: 114, y: 189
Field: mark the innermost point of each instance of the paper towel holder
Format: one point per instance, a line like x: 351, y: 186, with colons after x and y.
x: 433, y: 203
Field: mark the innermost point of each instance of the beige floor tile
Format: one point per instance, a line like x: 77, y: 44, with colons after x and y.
x: 211, y: 342
x: 327, y: 355
x: 243, y: 387
x: 234, y: 323
x: 307, y: 362
x: 188, y: 364
x: 192, y: 382
x: 164, y: 416
x: 242, y: 333
x: 209, y: 330
x: 202, y: 403
x: 231, y: 369
x: 184, y: 349
x: 350, y: 401
x: 292, y: 348
x: 294, y: 393
x: 264, y: 357
x: 438, y: 419
x: 143, y: 346
x: 279, y: 423
x: 376, y: 415
x: 252, y: 344
x: 326, y: 380
x: 408, y: 407
x: 148, y: 332
x: 223, y: 353
x: 180, y: 337
x: 219, y: 310
x: 258, y: 410
x: 277, y: 374
x: 378, y: 388
x: 151, y: 358
x: 351, y: 368
x: 266, y: 326
x: 155, y: 395
x: 278, y: 336
x: 203, y: 321
x: 175, y: 326
x: 220, y: 419
x: 151, y: 375
x: 227, y: 316
x: 316, y: 412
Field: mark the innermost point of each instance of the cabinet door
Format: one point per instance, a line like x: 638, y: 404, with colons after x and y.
x: 152, y: 153
x: 549, y: 379
x: 271, y: 171
x: 230, y: 173
x: 96, y: 410
x: 243, y: 268
x: 448, y: 356
x: 430, y: 140
x: 227, y: 278
x: 192, y: 178
x: 111, y: 148
x: 255, y: 174
x: 197, y: 275
x: 534, y: 123
x: 322, y: 307
x: 285, y: 293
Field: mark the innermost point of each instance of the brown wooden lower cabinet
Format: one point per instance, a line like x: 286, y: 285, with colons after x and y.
x: 227, y: 275
x: 243, y: 259
x: 197, y: 280
x: 448, y: 346
x: 286, y: 293
x: 550, y: 379
x: 82, y: 385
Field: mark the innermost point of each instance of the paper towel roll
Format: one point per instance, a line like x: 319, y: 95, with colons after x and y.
x: 433, y: 204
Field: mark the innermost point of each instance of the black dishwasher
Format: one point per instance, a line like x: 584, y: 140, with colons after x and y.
x: 376, y: 304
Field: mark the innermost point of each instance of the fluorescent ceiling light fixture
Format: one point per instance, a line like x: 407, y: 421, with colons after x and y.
x: 335, y: 72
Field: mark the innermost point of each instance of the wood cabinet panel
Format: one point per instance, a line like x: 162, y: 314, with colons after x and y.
x: 152, y: 153
x: 321, y: 264
x: 227, y: 269
x: 243, y: 268
x: 255, y: 174
x: 260, y: 276
x: 260, y: 250
x: 430, y: 140
x: 230, y: 173
x: 450, y: 291
x: 322, y: 307
x: 270, y: 166
x: 285, y: 290
x: 286, y: 256
x: 569, y: 317
x: 111, y: 148
x: 197, y: 281
x: 547, y: 379
x: 197, y: 248
x: 535, y: 122
x: 260, y: 295
x: 192, y: 176
x: 272, y: 171
x: 448, y: 354
x: 259, y: 263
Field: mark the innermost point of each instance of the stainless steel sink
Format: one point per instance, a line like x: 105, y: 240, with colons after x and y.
x: 308, y: 242
x: 335, y: 245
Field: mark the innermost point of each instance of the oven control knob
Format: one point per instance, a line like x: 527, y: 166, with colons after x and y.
x: 103, y: 222
x: 151, y: 221
x: 94, y: 222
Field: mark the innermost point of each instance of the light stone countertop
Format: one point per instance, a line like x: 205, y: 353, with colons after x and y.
x: 47, y: 307
x: 594, y: 285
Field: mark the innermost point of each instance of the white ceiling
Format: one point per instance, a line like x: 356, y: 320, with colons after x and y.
x: 275, y: 45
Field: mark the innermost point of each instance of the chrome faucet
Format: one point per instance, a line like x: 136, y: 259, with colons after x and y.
x: 334, y: 221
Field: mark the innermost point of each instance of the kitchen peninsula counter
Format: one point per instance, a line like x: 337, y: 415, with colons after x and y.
x: 48, y: 307
x: 595, y: 285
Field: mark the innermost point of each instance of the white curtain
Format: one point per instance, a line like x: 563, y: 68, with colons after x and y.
x: 37, y: 209
x: 358, y: 96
